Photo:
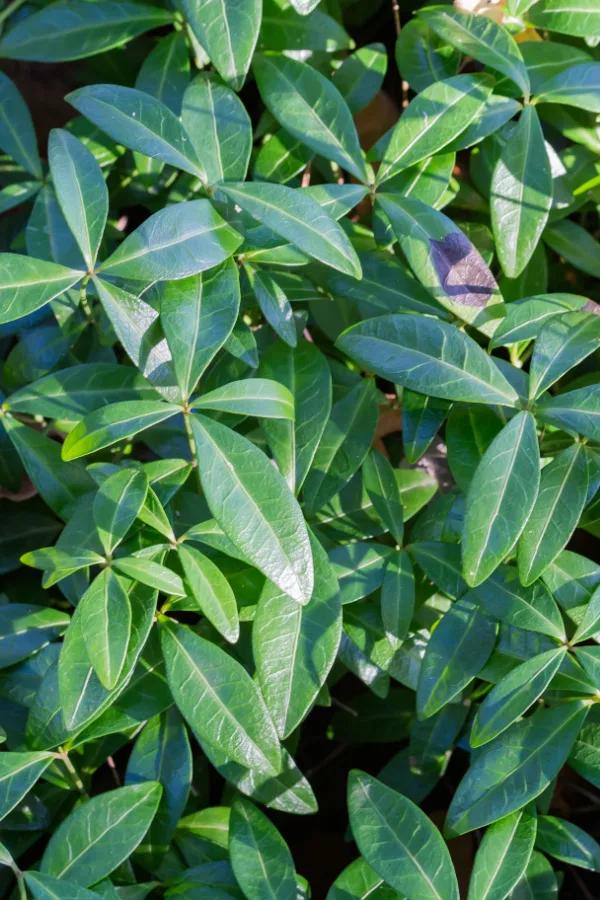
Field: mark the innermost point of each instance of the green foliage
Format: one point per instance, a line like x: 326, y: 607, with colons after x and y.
x: 299, y: 450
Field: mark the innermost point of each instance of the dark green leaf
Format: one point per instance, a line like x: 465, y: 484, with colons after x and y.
x: 260, y: 858
x: 117, y: 505
x: 502, y: 857
x: 18, y: 774
x: 17, y: 135
x: 26, y: 284
x: 228, y: 32
x: 109, y: 424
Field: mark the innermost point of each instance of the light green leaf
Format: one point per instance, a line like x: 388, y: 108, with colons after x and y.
x: 175, y: 242
x: 26, y: 284
x: 219, y: 700
x: 106, y: 626
x: 579, y: 19
x: 303, y: 370
x: 109, y: 424
x: 398, y: 597
x: 18, y: 774
x: 228, y: 32
x: 482, y: 38
x: 258, y: 397
x: 502, y: 857
x: 255, y: 508
x: 140, y: 122
x: 525, y: 319
x: 428, y: 356
x: 311, y: 108
x: 432, y: 120
x: 521, y: 194
x: 219, y: 128
x: 298, y: 219
x: 516, y: 767
x: 501, y: 497
x: 514, y: 694
x: 150, y: 573
x: 457, y: 650
x: 99, y: 835
x: 399, y: 841
x: 560, y: 501
x: 260, y: 858
x: 195, y: 320
x: 165, y: 73
x: 590, y: 622
x: 81, y: 191
x: 295, y: 646
x: 211, y: 591
x: 117, y: 505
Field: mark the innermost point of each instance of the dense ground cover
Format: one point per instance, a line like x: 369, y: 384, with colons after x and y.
x: 299, y: 450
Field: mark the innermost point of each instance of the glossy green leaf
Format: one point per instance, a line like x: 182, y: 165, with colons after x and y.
x: 445, y: 261
x: 44, y: 887
x: 162, y: 753
x: 514, y: 694
x: 18, y: 774
x: 228, y: 32
x: 140, y: 122
x: 447, y: 107
x: 577, y: 19
x: 344, y: 444
x: 532, y: 608
x: 422, y: 417
x: 458, y: 649
x: 562, y: 343
x: 27, y: 284
x: 273, y: 303
x: 359, y: 568
x: 298, y: 219
x: 303, y: 370
x: 501, y: 497
x: 568, y: 842
x: 383, y: 489
x: 521, y: 193
x: 106, y: 626
x: 516, y: 767
x: 150, y: 573
x: 483, y: 39
x: 360, y: 76
x: 441, y: 562
x: 81, y: 191
x: 176, y: 242
x: 65, y: 31
x: 219, y: 128
x: 577, y: 410
x: 502, y: 857
x: 25, y: 629
x: 559, y: 504
x: 211, y: 591
x: 100, y: 834
x: 397, y: 597
x: 252, y: 503
x: 165, y: 73
x: 399, y: 841
x: 590, y: 622
x: 71, y: 393
x: 525, y: 319
x: 359, y: 881
x: 117, y: 505
x: 427, y: 356
x: 295, y: 646
x: 260, y: 858
x: 258, y: 397
x: 17, y: 135
x: 219, y: 700
x: 109, y: 424
x: 311, y: 108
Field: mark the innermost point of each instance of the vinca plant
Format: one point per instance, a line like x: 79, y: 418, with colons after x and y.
x: 300, y: 451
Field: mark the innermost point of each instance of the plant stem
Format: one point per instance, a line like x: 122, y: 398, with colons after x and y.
x: 21, y: 886
x: 83, y: 299
x: 192, y: 443
x: 10, y: 9
x: 77, y: 782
